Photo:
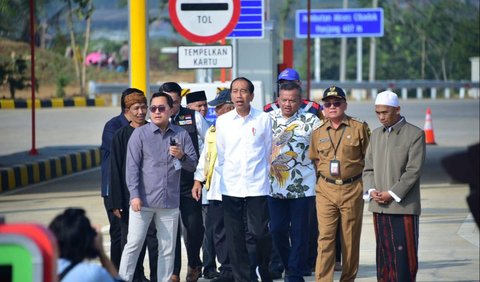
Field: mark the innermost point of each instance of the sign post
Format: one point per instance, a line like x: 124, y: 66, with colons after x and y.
x: 331, y: 23
x: 205, y: 57
x: 204, y: 21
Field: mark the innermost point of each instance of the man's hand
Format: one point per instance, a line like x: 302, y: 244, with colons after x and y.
x: 197, y: 190
x: 177, y: 151
x: 136, y: 204
x: 117, y: 213
x: 382, y: 198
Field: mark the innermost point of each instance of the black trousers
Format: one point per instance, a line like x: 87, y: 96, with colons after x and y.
x: 255, y: 209
x: 208, y: 248
x: 115, y: 236
x: 192, y: 229
x: 214, y: 219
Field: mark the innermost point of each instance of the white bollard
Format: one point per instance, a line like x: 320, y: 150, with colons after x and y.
x: 419, y: 93
x: 433, y: 93
x: 462, y: 93
x: 447, y: 93
x: 374, y: 93
x: 404, y: 93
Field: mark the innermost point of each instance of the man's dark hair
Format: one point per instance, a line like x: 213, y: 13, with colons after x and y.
x: 171, y: 87
x: 161, y: 94
x: 126, y: 92
x: 251, y: 88
x: 75, y: 235
x: 291, y: 85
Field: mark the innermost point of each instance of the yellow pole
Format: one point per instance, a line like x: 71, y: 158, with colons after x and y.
x: 138, y: 45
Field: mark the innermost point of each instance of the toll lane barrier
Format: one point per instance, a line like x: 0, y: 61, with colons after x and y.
x: 16, y: 176
x: 52, y: 103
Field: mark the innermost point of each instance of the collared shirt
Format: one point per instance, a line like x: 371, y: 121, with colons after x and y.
x: 151, y: 175
x: 109, y: 130
x: 292, y: 173
x: 350, y: 149
x: 244, y: 146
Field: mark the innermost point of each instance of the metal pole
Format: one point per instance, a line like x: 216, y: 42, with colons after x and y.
x: 318, y: 57
x: 33, y: 150
x: 138, y: 47
x: 373, y: 45
x: 308, y: 48
x: 359, y: 59
x: 235, y: 59
x: 343, y: 51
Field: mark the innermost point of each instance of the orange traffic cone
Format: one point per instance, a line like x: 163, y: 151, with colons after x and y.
x: 428, y: 128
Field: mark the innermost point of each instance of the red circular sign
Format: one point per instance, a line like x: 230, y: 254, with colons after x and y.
x: 204, y: 21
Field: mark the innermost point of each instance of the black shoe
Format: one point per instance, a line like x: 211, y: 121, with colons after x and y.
x: 275, y: 274
x: 222, y: 279
x: 211, y: 274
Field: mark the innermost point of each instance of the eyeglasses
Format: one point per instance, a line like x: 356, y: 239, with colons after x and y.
x: 335, y: 104
x: 161, y: 109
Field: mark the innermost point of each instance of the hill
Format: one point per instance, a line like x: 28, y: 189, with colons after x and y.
x: 51, y: 67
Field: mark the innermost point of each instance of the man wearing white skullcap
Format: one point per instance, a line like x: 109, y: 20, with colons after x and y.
x: 391, y: 181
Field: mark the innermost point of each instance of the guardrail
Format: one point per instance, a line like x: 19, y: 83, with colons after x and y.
x: 416, y: 89
x: 407, y: 88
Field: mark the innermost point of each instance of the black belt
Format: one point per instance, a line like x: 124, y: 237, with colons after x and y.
x: 340, y: 181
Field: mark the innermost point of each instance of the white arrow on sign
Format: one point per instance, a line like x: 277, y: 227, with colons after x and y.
x: 204, y: 21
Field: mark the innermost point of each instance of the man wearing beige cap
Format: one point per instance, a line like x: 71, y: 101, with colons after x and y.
x: 391, y: 177
x: 338, y: 149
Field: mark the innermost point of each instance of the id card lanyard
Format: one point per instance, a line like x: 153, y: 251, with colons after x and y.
x: 335, y: 164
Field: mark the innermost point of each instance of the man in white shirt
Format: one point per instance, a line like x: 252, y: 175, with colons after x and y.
x: 244, y: 142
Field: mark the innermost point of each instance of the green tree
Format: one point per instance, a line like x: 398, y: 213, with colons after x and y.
x: 82, y: 10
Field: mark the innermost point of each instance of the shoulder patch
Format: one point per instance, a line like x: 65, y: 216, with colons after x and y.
x: 358, y: 120
x: 319, y: 124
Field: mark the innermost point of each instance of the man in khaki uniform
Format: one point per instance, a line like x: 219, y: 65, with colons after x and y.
x: 338, y: 149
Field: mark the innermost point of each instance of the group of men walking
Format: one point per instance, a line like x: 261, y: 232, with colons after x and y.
x: 259, y: 177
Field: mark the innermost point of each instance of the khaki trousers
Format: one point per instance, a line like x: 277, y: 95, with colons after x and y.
x: 334, y: 202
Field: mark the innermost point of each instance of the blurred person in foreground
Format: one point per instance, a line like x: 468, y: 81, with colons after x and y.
x: 391, y: 177
x: 206, y: 174
x: 156, y: 154
x: 79, y: 241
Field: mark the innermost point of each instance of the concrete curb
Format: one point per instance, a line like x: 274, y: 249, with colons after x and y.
x: 38, y: 169
x: 52, y: 103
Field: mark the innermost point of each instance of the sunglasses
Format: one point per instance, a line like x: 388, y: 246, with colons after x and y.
x: 160, y: 109
x: 335, y: 104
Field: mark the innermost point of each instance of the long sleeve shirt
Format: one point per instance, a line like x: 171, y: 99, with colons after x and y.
x: 150, y: 172
x: 108, y: 132
x: 244, y: 145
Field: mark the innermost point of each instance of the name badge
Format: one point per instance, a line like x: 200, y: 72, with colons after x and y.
x: 334, y: 167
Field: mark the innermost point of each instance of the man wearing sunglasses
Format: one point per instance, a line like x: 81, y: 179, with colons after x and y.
x: 338, y: 148
x: 156, y: 153
x: 190, y: 210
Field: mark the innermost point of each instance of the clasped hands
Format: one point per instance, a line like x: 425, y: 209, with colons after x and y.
x: 382, y: 198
